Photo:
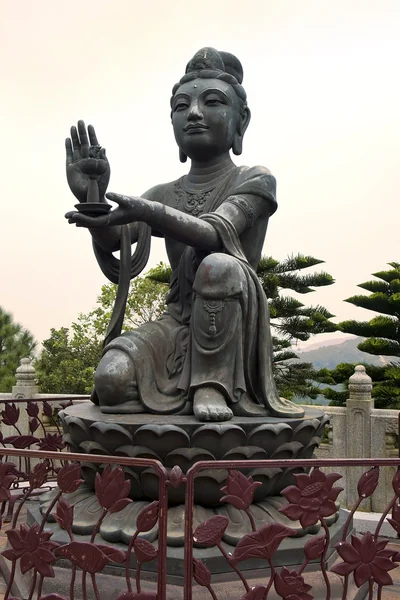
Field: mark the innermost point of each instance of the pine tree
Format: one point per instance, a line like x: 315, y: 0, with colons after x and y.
x: 15, y: 343
x: 382, y: 332
x: 291, y: 321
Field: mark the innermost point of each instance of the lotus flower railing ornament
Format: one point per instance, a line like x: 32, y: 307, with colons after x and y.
x: 364, y: 561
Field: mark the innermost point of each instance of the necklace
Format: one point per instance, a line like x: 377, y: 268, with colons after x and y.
x: 192, y: 203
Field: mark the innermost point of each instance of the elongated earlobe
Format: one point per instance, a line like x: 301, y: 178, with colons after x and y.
x: 182, y: 156
x: 237, y: 146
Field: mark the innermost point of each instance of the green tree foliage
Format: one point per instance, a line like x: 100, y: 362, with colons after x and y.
x: 69, y: 357
x: 340, y: 375
x: 67, y: 362
x: 290, y: 319
x: 15, y: 343
x: 382, y: 332
x: 382, y: 335
x: 146, y: 302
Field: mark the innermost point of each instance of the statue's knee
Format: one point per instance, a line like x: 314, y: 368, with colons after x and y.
x: 113, y: 375
x: 219, y: 276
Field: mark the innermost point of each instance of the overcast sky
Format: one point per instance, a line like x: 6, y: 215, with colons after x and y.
x: 322, y: 79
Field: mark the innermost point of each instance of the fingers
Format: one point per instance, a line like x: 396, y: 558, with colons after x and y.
x: 84, y: 139
x: 82, y: 133
x: 68, y: 149
x: 124, y: 201
x: 76, y: 144
x: 80, y: 143
x: 81, y: 220
x: 92, y: 136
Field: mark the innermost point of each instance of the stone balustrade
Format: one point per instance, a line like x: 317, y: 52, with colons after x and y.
x: 361, y: 431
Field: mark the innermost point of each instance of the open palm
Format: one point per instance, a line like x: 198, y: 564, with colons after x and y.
x: 86, y: 160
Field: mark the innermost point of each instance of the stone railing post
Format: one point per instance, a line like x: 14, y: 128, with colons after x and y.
x: 358, y: 430
x: 25, y: 387
x: 384, y: 426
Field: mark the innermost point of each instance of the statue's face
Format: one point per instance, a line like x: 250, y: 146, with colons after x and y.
x: 205, y: 116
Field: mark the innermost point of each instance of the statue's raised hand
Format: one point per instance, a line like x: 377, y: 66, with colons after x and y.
x: 86, y: 160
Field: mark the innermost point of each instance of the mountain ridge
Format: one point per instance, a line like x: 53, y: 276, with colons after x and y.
x: 330, y: 355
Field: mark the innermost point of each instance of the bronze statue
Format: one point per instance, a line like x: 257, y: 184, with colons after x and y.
x: 211, y: 353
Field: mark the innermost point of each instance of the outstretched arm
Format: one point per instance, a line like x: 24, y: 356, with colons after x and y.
x: 172, y: 223
x: 109, y: 236
x: 175, y: 224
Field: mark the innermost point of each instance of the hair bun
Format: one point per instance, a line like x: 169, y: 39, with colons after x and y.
x: 211, y: 59
x: 233, y: 66
x: 206, y: 58
x: 209, y: 63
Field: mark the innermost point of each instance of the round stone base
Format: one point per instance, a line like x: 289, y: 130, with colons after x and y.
x: 182, y: 440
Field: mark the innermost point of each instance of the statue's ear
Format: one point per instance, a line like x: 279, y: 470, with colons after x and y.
x: 244, y: 121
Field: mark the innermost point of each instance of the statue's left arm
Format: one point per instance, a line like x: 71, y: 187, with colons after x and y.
x: 246, y: 204
x: 191, y: 231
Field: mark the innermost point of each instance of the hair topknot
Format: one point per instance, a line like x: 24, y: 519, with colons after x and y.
x: 209, y: 58
x: 209, y: 63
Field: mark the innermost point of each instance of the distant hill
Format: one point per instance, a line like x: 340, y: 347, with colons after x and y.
x: 345, y: 352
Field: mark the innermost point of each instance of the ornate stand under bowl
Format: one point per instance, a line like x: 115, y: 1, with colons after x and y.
x: 93, y: 209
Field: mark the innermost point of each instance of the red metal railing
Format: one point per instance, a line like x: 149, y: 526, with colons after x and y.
x: 39, y: 430
x: 372, y: 568
x: 318, y: 489
x: 110, y: 489
x: 364, y: 561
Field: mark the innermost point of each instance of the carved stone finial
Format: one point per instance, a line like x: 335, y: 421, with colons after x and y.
x: 360, y: 384
x: 25, y: 374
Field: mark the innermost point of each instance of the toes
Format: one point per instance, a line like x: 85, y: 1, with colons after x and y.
x: 201, y: 412
x: 213, y: 413
x: 211, y: 406
x: 226, y: 415
x: 221, y: 413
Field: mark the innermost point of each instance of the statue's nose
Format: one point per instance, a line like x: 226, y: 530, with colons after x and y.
x: 195, y: 113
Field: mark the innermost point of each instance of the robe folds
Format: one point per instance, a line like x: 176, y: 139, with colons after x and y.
x: 222, y: 340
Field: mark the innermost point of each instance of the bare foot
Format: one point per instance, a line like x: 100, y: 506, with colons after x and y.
x: 209, y: 405
x: 247, y: 408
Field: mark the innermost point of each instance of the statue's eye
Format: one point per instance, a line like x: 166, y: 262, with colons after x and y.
x: 180, y: 106
x: 213, y: 102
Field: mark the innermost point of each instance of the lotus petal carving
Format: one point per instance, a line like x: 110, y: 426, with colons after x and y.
x: 271, y: 436
x: 219, y: 438
x: 162, y: 439
x: 110, y: 435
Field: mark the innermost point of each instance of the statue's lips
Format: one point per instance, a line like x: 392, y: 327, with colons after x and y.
x: 195, y: 128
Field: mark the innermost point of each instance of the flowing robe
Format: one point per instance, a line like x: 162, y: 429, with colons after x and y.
x: 209, y: 336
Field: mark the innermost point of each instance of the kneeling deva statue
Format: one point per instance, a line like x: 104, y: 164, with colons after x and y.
x: 210, y: 354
